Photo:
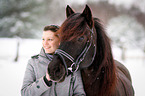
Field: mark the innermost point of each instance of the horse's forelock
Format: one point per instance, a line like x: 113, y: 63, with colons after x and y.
x: 74, y: 26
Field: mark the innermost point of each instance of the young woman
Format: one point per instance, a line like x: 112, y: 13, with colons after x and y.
x: 36, y: 80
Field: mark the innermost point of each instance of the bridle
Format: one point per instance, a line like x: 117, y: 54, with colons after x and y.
x: 75, y: 63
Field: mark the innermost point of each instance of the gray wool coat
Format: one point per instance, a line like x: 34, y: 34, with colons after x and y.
x: 34, y: 85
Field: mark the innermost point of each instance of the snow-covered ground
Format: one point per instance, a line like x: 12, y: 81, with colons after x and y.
x: 12, y: 73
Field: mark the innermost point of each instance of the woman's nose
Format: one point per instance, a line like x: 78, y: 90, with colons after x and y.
x: 46, y: 43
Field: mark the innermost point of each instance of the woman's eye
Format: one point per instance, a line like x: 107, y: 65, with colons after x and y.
x: 81, y: 38
x: 50, y: 39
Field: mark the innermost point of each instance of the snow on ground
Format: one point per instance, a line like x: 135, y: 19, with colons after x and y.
x: 12, y: 72
x: 11, y: 77
x: 137, y: 71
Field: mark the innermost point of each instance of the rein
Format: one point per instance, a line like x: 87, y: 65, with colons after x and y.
x: 75, y: 63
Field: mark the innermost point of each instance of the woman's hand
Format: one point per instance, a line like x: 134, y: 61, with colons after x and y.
x: 47, y: 80
x: 47, y: 76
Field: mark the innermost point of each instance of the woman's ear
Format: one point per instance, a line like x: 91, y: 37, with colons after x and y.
x: 69, y: 11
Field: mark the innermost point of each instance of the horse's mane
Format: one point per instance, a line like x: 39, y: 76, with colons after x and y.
x: 74, y: 26
x: 104, y: 60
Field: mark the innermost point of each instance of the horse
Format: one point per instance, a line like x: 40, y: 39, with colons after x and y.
x: 85, y: 46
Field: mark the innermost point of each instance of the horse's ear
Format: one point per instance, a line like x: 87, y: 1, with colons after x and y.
x: 69, y: 11
x: 88, y: 16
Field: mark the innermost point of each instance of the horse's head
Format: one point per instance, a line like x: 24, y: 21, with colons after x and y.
x: 78, y: 44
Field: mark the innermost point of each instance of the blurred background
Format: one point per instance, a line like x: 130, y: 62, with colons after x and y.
x: 22, y: 22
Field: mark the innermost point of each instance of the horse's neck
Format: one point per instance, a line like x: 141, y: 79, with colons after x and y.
x: 90, y: 82
x: 88, y: 75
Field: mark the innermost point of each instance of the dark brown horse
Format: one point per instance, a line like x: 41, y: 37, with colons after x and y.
x: 85, y: 46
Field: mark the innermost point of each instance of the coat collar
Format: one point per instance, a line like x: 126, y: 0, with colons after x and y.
x: 44, y: 57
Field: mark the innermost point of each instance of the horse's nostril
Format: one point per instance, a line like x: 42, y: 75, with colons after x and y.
x: 57, y: 72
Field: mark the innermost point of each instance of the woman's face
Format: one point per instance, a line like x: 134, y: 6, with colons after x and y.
x: 50, y: 41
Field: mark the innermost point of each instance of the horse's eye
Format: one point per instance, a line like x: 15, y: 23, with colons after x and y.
x: 81, y: 38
